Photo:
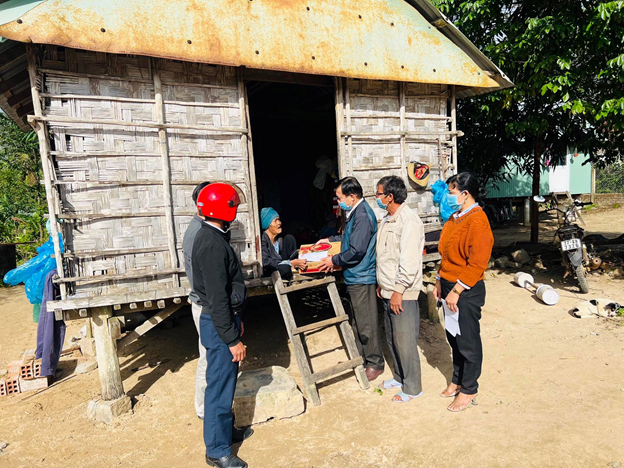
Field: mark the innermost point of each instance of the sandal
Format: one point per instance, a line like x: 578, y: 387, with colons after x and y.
x: 390, y: 384
x: 404, y: 397
x: 452, y: 395
x: 472, y: 402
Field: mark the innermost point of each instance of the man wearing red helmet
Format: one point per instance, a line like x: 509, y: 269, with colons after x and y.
x: 219, y: 284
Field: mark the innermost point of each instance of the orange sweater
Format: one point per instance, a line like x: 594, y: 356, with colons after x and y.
x: 466, y: 246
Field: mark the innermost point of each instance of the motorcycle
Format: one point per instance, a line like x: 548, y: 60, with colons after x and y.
x: 570, y: 241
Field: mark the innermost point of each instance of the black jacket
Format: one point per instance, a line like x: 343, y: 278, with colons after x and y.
x: 270, y: 258
x: 218, y: 281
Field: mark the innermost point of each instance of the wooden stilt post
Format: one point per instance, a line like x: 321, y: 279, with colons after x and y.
x: 106, y: 353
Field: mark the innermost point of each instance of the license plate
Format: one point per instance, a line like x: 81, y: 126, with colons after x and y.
x: 571, y: 244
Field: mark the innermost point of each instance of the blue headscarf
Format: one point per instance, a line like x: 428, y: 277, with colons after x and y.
x: 267, y: 215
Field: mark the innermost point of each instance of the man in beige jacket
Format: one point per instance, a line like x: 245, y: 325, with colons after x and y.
x: 400, y: 243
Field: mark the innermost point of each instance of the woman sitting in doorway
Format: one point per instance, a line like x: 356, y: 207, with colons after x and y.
x: 277, y: 251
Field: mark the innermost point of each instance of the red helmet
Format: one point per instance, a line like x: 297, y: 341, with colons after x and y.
x: 218, y: 201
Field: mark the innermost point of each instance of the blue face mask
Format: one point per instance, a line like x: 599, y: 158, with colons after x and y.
x: 344, y: 207
x: 453, y: 203
x: 381, y: 205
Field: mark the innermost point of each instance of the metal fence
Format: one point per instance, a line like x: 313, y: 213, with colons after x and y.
x: 610, y: 179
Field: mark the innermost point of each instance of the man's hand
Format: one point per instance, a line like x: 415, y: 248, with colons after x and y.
x: 437, y: 291
x: 322, y: 241
x: 299, y: 263
x: 379, y: 292
x: 453, y: 297
x: 238, y: 352
x: 451, y: 301
x: 396, y: 303
x: 242, y: 329
x: 327, y: 264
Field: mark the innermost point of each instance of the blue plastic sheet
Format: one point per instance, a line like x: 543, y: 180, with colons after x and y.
x: 33, y: 272
x: 440, y: 192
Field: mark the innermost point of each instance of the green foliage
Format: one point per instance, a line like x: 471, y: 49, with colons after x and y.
x: 610, y: 179
x: 22, y: 198
x: 567, y: 62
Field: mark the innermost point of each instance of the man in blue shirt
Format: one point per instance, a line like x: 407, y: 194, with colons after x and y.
x: 357, y: 258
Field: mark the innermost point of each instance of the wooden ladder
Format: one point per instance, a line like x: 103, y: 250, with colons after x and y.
x: 297, y: 335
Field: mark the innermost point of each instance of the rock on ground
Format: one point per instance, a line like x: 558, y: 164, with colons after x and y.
x: 521, y: 256
x: 263, y: 394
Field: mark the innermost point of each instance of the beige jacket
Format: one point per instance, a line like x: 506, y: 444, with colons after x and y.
x: 400, y: 243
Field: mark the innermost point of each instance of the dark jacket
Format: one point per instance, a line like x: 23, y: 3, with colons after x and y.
x: 270, y: 258
x: 357, y: 253
x: 187, y: 249
x: 218, y: 281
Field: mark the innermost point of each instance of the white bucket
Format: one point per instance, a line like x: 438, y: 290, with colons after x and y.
x: 547, y: 294
x: 522, y: 279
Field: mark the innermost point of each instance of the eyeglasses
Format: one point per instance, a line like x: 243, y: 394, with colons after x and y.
x: 377, y: 194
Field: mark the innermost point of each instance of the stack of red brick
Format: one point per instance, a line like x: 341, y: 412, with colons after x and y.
x: 23, y: 376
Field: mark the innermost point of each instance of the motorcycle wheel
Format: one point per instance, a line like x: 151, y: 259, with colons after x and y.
x: 581, y: 276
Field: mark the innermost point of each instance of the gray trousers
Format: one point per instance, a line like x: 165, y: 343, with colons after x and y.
x: 365, y: 324
x: 202, y: 364
x: 402, y: 335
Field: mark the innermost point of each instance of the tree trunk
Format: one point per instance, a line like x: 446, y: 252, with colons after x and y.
x: 537, y: 172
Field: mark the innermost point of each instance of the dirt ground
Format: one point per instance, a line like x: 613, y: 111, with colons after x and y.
x: 551, y: 392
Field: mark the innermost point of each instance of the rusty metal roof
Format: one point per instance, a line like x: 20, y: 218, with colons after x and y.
x: 371, y: 39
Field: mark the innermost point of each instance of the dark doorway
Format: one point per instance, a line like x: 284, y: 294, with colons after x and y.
x: 294, y: 131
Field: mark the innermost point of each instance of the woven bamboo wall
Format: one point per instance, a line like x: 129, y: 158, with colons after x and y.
x: 112, y: 196
x: 385, y: 126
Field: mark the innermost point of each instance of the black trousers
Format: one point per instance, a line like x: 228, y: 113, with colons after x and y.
x: 365, y: 324
x: 467, y: 348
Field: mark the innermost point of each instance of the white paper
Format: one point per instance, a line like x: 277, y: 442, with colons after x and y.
x: 451, y: 320
x: 313, y: 256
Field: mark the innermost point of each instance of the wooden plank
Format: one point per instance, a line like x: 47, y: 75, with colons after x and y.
x: 174, y: 261
x: 337, y: 369
x: 44, y: 149
x: 401, y: 133
x: 131, y: 183
x: 300, y: 355
x: 106, y: 354
x: 347, y: 335
x: 250, y: 174
x: 273, y: 76
x: 339, y: 107
x: 432, y: 257
x: 147, y: 326
x: 117, y: 299
x: 347, y: 99
x: 320, y: 325
x: 402, y: 126
x: 308, y: 284
x: 92, y: 97
x: 19, y: 97
x: 91, y: 154
x: 454, y: 128
x: 389, y: 115
x: 59, y: 119
x: 14, y: 81
x: 412, y: 96
x: 124, y: 276
x: 254, y: 190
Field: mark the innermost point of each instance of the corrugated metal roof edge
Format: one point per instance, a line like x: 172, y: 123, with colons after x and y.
x: 446, y: 27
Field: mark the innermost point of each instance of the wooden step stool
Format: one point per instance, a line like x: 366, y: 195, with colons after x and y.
x: 297, y: 335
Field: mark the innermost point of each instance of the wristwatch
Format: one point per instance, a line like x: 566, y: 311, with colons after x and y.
x: 456, y: 291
